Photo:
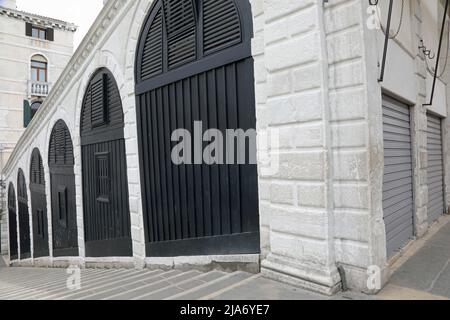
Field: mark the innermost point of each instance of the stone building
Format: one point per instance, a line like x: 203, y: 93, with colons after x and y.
x: 34, y: 50
x: 353, y: 168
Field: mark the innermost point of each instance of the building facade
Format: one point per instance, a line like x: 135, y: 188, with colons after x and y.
x: 349, y: 168
x: 34, y: 52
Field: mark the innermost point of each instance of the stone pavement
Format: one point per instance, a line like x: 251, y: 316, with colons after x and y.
x: 121, y: 284
x: 97, y: 284
x: 426, y: 274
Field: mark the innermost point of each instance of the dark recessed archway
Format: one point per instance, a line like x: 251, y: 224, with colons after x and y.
x: 24, y: 216
x: 38, y: 206
x: 62, y: 179
x: 104, y: 170
x: 12, y: 222
x: 194, y: 63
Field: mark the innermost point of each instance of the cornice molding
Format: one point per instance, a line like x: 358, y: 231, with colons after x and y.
x: 38, y: 20
x: 85, y: 49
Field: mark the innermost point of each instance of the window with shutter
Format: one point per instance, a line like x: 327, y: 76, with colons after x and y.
x: 50, y: 34
x: 37, y: 168
x: 99, y: 112
x: 181, y: 32
x: 221, y: 25
x: 102, y: 176
x: 61, y: 150
x: 152, y: 60
x: 62, y: 206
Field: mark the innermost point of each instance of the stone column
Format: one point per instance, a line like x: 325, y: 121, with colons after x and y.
x: 419, y: 112
x: 292, y: 104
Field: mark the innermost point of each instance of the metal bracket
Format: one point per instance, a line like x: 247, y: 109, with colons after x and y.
x: 386, y: 40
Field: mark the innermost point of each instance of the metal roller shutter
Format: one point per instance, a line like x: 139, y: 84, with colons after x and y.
x: 398, y: 175
x: 435, y: 170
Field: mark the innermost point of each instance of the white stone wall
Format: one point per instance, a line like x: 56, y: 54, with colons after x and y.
x: 292, y: 99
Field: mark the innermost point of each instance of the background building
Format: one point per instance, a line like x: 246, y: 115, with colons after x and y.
x: 34, y: 50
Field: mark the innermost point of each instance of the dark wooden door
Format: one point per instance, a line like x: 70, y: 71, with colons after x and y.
x: 12, y: 219
x: 38, y: 206
x: 24, y: 217
x: 194, y: 64
x: 105, y: 185
x: 62, y: 180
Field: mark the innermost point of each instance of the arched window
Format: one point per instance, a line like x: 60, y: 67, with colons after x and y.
x: 35, y: 107
x: 181, y: 33
x: 104, y: 165
x: 12, y: 214
x: 39, y: 68
x: 62, y: 185
x: 194, y: 64
x: 38, y: 205
x: 24, y: 217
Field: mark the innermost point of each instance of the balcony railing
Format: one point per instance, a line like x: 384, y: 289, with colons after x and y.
x: 39, y: 89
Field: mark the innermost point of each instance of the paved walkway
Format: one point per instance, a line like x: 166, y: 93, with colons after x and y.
x: 120, y: 284
x: 426, y: 273
x: 102, y: 284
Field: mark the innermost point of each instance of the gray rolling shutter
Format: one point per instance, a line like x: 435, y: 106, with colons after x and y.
x: 435, y: 171
x: 397, y: 180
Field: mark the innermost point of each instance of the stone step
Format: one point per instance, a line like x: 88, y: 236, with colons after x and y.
x: 157, y: 285
x: 40, y: 292
x: 39, y: 282
x: 182, y: 286
x: 212, y: 286
x: 93, y: 283
x: 88, y: 290
x: 118, y: 287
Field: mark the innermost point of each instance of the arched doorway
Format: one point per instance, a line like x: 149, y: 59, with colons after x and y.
x: 194, y: 65
x: 105, y: 186
x: 38, y: 206
x: 12, y: 219
x: 24, y: 217
x: 62, y: 183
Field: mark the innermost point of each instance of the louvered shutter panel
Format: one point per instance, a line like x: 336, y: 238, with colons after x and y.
x: 152, y: 58
x: 26, y: 113
x: 28, y: 29
x: 50, y: 34
x: 181, y: 32
x: 99, y: 102
x: 41, y: 171
x: 60, y: 141
x: 221, y: 26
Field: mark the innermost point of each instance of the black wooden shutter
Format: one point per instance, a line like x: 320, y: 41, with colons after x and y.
x: 152, y: 57
x: 221, y: 25
x: 181, y: 32
x: 62, y: 205
x: 99, y: 96
x: 28, y: 29
x: 26, y: 113
x: 50, y: 34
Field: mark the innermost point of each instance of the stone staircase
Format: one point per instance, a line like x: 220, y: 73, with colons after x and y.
x: 117, y: 284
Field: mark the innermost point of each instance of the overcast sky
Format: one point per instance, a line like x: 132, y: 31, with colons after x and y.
x: 80, y: 12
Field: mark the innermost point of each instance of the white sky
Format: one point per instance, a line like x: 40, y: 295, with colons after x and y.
x: 80, y: 12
